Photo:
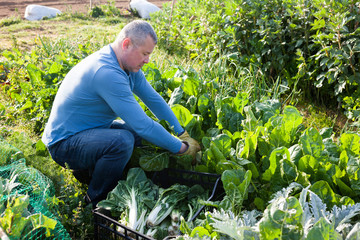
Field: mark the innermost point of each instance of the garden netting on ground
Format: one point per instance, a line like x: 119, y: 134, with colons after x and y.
x: 26, y: 199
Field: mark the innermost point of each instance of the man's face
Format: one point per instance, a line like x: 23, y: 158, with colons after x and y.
x: 134, y: 57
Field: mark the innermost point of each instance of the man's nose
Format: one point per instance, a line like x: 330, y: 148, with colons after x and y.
x: 147, y: 59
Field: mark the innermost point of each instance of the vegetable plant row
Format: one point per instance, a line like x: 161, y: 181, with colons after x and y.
x: 311, y: 46
x: 265, y: 142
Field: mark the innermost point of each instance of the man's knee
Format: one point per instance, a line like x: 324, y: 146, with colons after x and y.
x: 123, y: 143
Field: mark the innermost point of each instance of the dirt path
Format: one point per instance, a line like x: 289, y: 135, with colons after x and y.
x: 17, y: 7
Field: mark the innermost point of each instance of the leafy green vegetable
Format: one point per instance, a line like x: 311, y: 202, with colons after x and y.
x: 132, y: 198
x: 235, y: 227
x: 18, y: 220
x: 149, y: 209
x: 167, y: 201
x: 282, y: 219
x: 154, y: 161
x: 311, y: 142
x: 236, y: 183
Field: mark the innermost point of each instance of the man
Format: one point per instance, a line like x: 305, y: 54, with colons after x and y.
x: 82, y: 132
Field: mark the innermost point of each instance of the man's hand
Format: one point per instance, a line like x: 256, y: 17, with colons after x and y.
x: 192, y: 142
x: 193, y: 148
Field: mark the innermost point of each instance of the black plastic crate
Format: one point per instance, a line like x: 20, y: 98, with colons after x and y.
x: 108, y: 228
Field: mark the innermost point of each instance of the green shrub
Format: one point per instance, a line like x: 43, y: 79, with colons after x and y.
x: 299, y: 42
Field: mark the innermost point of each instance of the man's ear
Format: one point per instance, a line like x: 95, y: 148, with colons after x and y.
x: 126, y: 43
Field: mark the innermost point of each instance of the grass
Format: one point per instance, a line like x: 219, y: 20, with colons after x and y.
x: 22, y: 34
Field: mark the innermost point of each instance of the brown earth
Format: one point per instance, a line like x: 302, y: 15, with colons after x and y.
x: 10, y: 8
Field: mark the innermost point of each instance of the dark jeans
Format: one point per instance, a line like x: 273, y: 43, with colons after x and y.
x: 104, y: 152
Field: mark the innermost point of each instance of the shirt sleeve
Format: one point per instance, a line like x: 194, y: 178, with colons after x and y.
x: 155, y: 102
x: 114, y: 87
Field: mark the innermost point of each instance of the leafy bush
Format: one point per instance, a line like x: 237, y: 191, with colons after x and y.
x: 105, y: 10
x: 298, y: 42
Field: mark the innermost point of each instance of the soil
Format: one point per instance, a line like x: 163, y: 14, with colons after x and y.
x: 10, y: 8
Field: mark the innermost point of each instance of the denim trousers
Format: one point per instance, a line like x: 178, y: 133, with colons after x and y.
x: 104, y: 152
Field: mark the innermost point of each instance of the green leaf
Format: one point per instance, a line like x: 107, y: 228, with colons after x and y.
x: 204, y: 103
x: 275, y: 157
x: 41, y: 221
x: 318, y: 24
x: 191, y: 86
x: 251, y: 122
x: 176, y: 96
x: 27, y: 105
x: 311, y: 143
x: 326, y: 132
x: 183, y: 161
x: 154, y: 162
x: 55, y: 68
x: 331, y: 149
x: 227, y: 117
x: 323, y: 230
x: 324, y: 191
x: 288, y: 171
x: 212, y: 157
x: 353, y: 171
x: 12, y: 220
x: 13, y: 224
x: 308, y: 164
x: 265, y: 110
x: 35, y: 74
x: 350, y: 142
x: 295, y: 153
x: 344, y: 189
x: 200, y: 232
x: 292, y: 119
x: 236, y: 183
x: 282, y: 219
x: 183, y: 115
x: 184, y: 227
x: 248, y: 150
x: 41, y: 149
x: 223, y: 143
x: 20, y: 204
x: 240, y: 101
x: 278, y: 137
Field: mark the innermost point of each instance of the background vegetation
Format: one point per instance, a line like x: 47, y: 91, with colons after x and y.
x: 298, y: 52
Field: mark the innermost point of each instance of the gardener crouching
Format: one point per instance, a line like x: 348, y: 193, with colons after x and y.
x: 82, y: 132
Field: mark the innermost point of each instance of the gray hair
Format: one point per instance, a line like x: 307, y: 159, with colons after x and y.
x: 137, y: 31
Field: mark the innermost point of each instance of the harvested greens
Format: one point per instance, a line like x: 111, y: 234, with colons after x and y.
x: 145, y: 207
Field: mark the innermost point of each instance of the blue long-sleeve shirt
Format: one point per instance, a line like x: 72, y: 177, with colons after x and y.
x: 97, y: 91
